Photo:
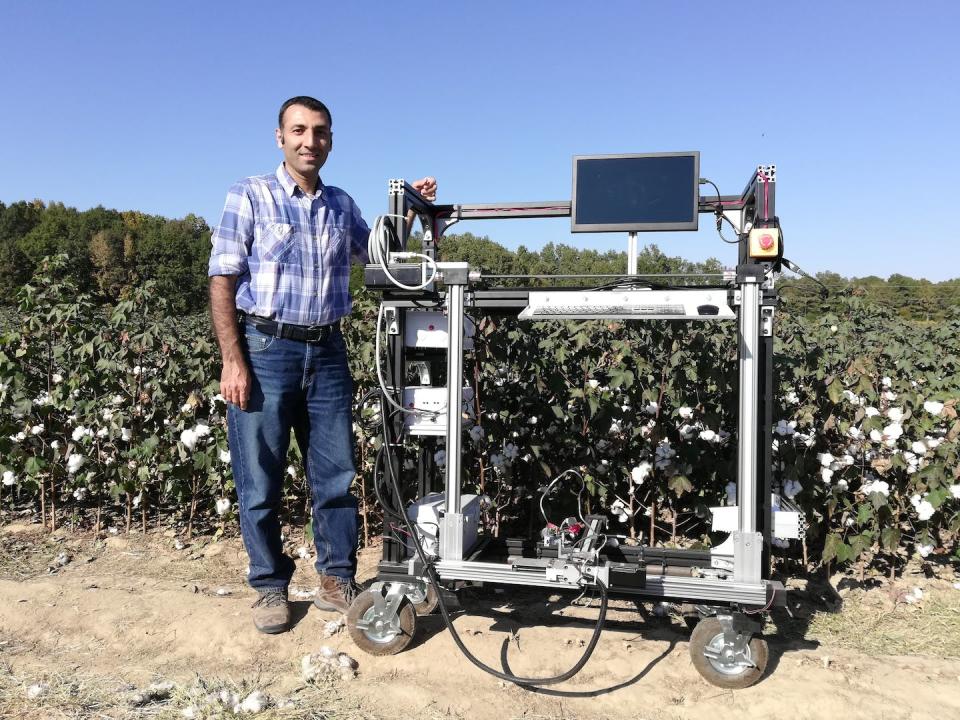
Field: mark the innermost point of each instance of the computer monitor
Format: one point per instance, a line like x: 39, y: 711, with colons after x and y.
x: 635, y: 193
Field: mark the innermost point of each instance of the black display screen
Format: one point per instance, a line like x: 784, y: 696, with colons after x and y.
x: 635, y: 192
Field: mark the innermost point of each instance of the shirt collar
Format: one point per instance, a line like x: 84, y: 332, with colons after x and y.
x: 290, y: 187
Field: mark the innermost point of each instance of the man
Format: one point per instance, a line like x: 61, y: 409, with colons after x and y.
x: 281, y: 257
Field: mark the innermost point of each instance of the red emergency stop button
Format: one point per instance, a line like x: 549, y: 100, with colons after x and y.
x: 764, y: 242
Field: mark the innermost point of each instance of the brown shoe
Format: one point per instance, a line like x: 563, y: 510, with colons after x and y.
x: 335, y: 594
x: 271, y: 612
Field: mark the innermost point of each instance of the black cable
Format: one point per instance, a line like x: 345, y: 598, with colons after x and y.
x: 435, y: 581
x: 824, y: 291
x: 718, y: 211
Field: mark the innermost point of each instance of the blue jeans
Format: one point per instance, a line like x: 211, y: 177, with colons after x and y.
x: 306, y: 387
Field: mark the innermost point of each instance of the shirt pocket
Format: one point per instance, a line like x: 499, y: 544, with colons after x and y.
x: 335, y: 239
x: 281, y: 242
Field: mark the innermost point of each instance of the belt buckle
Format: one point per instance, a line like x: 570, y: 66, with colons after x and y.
x: 323, y: 332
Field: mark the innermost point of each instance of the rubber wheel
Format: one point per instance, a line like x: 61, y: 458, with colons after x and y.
x: 709, y: 633
x: 386, y: 638
x: 425, y: 600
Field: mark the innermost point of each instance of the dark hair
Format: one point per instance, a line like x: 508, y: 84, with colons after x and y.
x: 309, y: 103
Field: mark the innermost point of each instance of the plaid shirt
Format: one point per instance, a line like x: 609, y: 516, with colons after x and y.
x: 291, y: 251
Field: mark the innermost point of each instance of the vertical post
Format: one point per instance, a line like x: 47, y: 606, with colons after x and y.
x: 749, y: 332
x: 451, y: 525
x: 631, y: 253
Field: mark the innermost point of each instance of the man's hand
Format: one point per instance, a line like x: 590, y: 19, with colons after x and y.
x: 235, y: 378
x: 235, y: 383
x: 427, y: 187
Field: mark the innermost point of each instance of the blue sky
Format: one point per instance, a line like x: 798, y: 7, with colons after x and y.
x: 159, y: 107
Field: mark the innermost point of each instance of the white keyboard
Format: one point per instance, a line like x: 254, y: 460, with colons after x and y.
x: 683, y: 304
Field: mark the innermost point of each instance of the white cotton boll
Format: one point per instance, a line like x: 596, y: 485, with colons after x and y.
x: 291, y: 470
x: 19, y: 437
x: 877, y: 486
x: 791, y: 488
x: 651, y: 408
x: 223, y: 506
x: 849, y: 522
x: 687, y: 431
x: 918, y: 593
x: 924, y: 550
x: 37, y: 691
x: 791, y: 398
x: 685, y: 412
x: 846, y: 460
x: 137, y: 370
x: 826, y: 459
x: 189, y: 438
x: 254, y: 703
x: 833, y: 328
x: 895, y: 414
x: 876, y: 435
x: 103, y: 432
x: 201, y: 430
x: 893, y: 431
x: 225, y: 456
x: 440, y: 458
x: 57, y: 378
x: 708, y: 435
x: 640, y: 473
x: 594, y: 383
x: 933, y: 407
x: 190, y: 712
x: 75, y: 462
x: 55, y: 445
x: 107, y: 415
x: 826, y: 474
x: 614, y: 428
x: 955, y: 491
x: 842, y: 485
x: 9, y: 478
x: 731, y: 490
x: 932, y: 443
x: 925, y: 510
x: 186, y: 407
x: 126, y: 434
x: 854, y: 433
x: 785, y: 429
x: 533, y: 420
x: 136, y: 501
x: 886, y: 382
x: 37, y: 429
x: 78, y: 433
x: 890, y: 395
x: 303, y: 552
x: 871, y: 412
x: 116, y: 399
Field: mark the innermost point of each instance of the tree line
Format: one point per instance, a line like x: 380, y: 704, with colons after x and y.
x: 112, y: 252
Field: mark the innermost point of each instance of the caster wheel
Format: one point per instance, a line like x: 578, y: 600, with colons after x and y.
x: 424, y: 598
x: 719, y: 664
x: 374, y: 632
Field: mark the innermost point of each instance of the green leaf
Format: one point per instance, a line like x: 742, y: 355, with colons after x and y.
x: 679, y: 484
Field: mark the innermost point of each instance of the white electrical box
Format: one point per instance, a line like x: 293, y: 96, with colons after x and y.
x: 787, y: 524
x: 425, y: 515
x: 428, y: 329
x: 433, y: 400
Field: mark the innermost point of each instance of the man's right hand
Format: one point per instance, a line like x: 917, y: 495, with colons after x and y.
x: 235, y: 383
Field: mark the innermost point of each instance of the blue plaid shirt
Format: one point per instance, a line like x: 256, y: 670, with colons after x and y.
x: 291, y: 251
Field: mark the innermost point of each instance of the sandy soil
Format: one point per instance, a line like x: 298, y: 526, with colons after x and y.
x: 138, y: 609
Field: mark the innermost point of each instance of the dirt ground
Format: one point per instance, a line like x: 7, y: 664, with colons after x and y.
x: 86, y: 625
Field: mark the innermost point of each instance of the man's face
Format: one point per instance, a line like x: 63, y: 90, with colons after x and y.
x: 306, y: 139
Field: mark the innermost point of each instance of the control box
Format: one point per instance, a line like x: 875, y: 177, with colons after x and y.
x: 425, y: 514
x: 428, y: 329
x: 431, y: 406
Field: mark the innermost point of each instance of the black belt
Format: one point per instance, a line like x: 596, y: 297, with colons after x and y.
x: 304, y: 333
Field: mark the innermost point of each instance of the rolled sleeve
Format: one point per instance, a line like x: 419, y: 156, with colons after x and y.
x: 233, y: 236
